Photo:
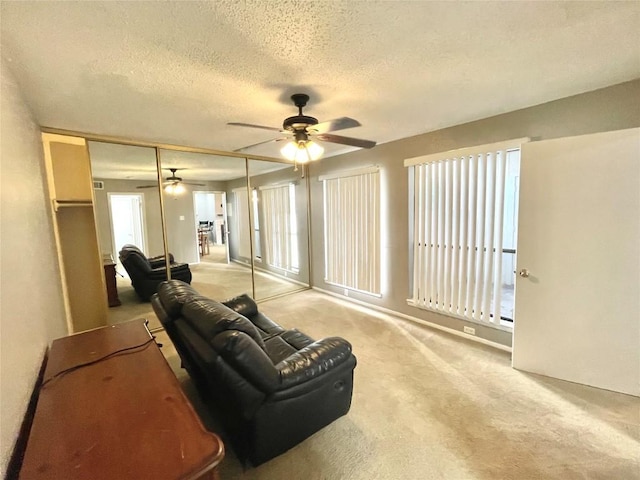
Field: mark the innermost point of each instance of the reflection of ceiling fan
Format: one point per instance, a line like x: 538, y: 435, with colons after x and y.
x: 301, y: 130
x: 172, y: 180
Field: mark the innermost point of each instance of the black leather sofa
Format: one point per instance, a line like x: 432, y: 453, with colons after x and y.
x: 147, y: 273
x: 270, y: 387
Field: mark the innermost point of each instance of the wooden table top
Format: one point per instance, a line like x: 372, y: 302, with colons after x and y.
x: 122, y: 417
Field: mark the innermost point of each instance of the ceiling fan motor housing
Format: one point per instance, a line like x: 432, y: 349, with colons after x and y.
x: 300, y: 121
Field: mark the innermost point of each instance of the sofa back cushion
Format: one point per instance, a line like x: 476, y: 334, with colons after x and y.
x: 173, y: 294
x: 134, y: 260
x: 245, y: 357
x: 209, y: 318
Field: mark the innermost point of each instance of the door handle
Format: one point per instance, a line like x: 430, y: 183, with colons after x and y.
x: 524, y: 273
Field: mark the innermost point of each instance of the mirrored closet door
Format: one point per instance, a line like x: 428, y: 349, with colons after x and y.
x: 127, y: 198
x: 128, y: 213
x: 206, y: 220
x: 238, y: 225
x: 279, y: 222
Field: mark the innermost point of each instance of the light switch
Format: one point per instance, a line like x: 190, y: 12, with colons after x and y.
x: 181, y: 217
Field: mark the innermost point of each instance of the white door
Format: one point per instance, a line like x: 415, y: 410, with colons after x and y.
x: 577, y: 313
x: 127, y: 220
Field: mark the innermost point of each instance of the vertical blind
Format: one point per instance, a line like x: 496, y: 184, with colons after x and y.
x: 278, y: 225
x: 457, y: 231
x: 352, y: 229
x: 242, y: 224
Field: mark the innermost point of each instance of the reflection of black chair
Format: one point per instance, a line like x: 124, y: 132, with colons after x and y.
x: 147, y: 273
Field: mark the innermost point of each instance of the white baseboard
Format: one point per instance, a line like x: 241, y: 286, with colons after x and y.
x: 393, y: 313
x: 282, y: 277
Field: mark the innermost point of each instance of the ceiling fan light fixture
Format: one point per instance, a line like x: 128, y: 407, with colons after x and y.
x: 302, y: 152
x: 174, y: 189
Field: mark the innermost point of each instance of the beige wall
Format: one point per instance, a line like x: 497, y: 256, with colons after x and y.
x: 31, y: 306
x: 611, y: 108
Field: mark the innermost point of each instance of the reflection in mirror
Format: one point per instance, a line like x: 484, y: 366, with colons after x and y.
x: 280, y: 228
x: 127, y: 213
x: 205, y: 221
x: 210, y: 216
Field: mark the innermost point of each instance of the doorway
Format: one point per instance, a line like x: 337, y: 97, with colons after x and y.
x: 126, y: 211
x: 211, y: 226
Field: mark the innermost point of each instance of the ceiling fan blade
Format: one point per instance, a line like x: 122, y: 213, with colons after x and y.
x: 333, y: 125
x: 194, y: 184
x: 147, y: 186
x: 238, y: 124
x: 353, y: 142
x: 259, y: 143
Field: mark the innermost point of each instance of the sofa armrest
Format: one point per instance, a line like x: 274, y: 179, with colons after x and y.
x: 313, y: 361
x: 243, y: 304
x: 160, y: 273
x: 158, y: 260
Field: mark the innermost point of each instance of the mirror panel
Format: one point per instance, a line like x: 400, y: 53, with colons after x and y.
x: 280, y: 228
x: 127, y: 210
x: 204, y: 226
x: 128, y: 204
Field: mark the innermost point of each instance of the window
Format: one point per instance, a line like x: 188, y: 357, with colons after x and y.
x: 460, y: 229
x: 279, y: 227
x: 352, y: 229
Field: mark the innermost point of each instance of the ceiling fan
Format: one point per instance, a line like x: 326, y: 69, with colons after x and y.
x: 173, y: 183
x: 301, y: 130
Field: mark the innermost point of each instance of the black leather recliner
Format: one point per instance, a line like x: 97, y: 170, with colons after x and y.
x: 271, y: 387
x: 147, y: 273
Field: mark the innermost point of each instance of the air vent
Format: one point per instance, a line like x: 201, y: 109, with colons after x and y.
x: 98, y: 185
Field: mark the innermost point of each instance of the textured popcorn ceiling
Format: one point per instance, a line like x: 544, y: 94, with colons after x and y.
x: 177, y: 72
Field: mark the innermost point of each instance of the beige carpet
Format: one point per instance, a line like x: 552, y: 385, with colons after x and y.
x: 428, y: 405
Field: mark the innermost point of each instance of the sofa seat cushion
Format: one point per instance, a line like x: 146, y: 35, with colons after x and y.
x: 277, y: 349
x: 209, y: 318
x: 296, y: 339
x: 265, y: 325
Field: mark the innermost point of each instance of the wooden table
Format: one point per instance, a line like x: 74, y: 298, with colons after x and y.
x: 123, y: 417
x: 110, y: 279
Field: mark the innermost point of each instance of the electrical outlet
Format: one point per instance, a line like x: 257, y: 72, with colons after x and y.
x: 470, y: 330
x: 346, y: 292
